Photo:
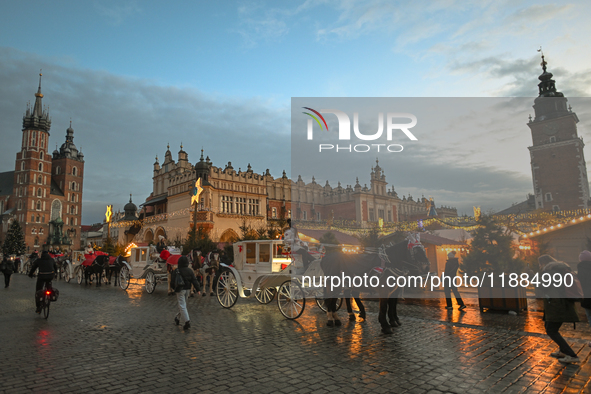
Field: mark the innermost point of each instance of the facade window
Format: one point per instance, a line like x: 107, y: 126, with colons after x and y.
x: 41, y: 155
x: 552, y: 139
x: 38, y: 219
x: 241, y: 205
x: 42, y: 140
x: 73, y: 210
x: 227, y: 203
x: 34, y: 139
x: 73, y: 197
x: 36, y: 241
x: 39, y: 192
x: 318, y: 216
x: 38, y: 205
x: 20, y: 191
x: 305, y: 215
x: 41, y: 230
x: 555, y: 208
x: 389, y: 216
x: 548, y: 196
x: 40, y: 179
x: 33, y: 231
x: 74, y: 170
x: 253, y: 206
x: 274, y: 213
x: 22, y: 166
x: 57, y: 170
x: 32, y: 218
x: 42, y: 218
x: 371, y: 215
x: 40, y: 166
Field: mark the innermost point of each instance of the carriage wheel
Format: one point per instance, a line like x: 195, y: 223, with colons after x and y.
x: 150, y: 282
x: 266, y: 295
x: 66, y: 273
x: 291, y: 300
x: 79, y: 275
x: 227, y: 289
x: 322, y: 305
x: 124, y: 278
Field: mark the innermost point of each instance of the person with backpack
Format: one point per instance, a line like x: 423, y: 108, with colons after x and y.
x: 182, y: 279
x: 7, y: 268
x: 557, y: 308
x: 584, y: 273
x: 47, y: 268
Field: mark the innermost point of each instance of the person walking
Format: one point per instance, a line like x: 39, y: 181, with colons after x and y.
x: 182, y: 295
x: 7, y: 268
x: 47, y: 268
x: 584, y: 274
x: 451, y: 270
x: 557, y: 309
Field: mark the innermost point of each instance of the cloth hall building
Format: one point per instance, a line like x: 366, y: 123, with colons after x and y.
x: 233, y: 197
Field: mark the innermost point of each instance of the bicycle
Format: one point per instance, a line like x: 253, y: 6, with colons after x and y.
x: 46, y: 297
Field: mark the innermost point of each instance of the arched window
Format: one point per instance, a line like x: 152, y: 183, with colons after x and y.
x: 41, y: 166
x: 38, y: 205
x: 36, y: 241
x: 38, y: 219
x: 33, y: 231
x: 41, y: 155
x: 56, y: 209
x: 41, y: 231
x: 57, y: 170
x: 22, y: 165
x: 20, y: 191
x: 39, y: 192
x: 73, y: 197
x: 20, y: 205
x: 73, y: 187
x: 73, y: 210
x: 74, y: 170
x: 39, y: 179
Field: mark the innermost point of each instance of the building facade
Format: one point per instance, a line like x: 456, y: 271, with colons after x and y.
x: 44, y: 192
x: 233, y: 198
x: 559, y: 171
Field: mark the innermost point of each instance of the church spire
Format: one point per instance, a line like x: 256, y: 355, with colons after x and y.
x: 36, y: 118
x: 547, y: 86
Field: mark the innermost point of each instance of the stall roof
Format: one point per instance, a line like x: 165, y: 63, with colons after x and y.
x: 343, y: 238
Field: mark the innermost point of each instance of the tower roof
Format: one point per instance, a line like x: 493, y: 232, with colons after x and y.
x: 37, y: 117
x: 68, y: 149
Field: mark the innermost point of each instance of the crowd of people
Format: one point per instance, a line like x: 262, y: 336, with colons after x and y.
x: 559, y: 302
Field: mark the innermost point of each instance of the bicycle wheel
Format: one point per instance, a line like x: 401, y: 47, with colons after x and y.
x: 46, y: 303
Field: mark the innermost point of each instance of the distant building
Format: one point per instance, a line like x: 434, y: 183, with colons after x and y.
x: 44, y: 192
x: 231, y: 198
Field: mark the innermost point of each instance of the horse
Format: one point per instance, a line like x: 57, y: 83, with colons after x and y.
x: 401, y: 259
x: 95, y: 268
x: 112, y: 265
x: 209, y: 270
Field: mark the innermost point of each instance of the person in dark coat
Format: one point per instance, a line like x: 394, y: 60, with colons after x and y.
x: 451, y: 270
x: 584, y: 274
x: 7, y: 268
x: 47, y: 268
x: 183, y: 295
x: 557, y: 308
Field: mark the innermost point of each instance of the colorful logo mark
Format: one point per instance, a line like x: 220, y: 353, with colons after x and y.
x: 315, y: 118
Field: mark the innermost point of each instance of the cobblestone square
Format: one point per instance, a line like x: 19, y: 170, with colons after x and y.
x: 103, y: 339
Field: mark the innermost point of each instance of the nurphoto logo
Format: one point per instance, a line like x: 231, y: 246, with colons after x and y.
x: 345, y: 130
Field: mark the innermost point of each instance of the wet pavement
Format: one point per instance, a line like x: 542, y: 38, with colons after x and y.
x: 108, y: 340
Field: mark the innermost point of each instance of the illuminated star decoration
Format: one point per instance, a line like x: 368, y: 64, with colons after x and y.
x: 196, y: 192
x: 109, y: 213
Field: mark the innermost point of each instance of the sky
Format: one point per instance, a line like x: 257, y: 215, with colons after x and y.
x: 134, y: 76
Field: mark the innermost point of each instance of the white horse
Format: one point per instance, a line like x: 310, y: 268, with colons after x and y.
x: 208, y: 270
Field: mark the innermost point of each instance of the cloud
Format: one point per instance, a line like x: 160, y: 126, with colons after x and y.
x: 117, y: 13
x: 257, y: 23
x: 122, y: 123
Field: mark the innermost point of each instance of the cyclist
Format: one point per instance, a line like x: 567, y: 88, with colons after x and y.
x: 47, y: 268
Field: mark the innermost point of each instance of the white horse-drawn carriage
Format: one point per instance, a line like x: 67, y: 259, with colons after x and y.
x: 145, y: 263
x: 265, y: 268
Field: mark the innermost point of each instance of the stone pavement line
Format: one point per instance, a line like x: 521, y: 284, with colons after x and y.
x: 110, y: 341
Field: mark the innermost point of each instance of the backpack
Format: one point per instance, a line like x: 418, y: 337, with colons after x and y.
x: 575, y: 291
x: 178, y: 283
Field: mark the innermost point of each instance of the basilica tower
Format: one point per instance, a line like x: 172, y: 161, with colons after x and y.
x: 32, y: 175
x: 559, y: 171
